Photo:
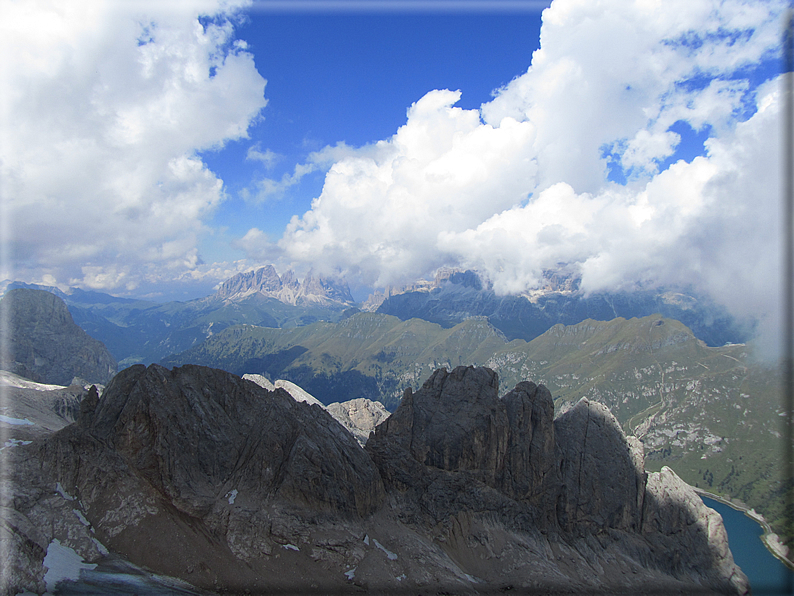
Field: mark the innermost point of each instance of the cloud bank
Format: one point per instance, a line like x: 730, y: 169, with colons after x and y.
x: 104, y: 109
x: 529, y: 180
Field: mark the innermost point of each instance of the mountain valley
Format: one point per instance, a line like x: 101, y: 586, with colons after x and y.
x: 702, y: 407
x: 143, y: 332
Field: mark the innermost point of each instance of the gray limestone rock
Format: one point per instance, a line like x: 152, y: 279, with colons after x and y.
x: 359, y: 416
x: 201, y: 475
x: 456, y: 458
x: 603, y: 477
x: 46, y: 345
x: 312, y: 290
x: 689, y: 533
x: 455, y: 422
x: 260, y: 380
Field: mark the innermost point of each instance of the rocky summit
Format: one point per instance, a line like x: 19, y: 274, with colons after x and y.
x: 198, y: 474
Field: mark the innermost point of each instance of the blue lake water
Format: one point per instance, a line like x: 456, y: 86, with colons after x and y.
x: 767, y: 575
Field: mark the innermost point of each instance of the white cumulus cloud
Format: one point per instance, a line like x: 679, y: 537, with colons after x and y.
x: 523, y: 184
x: 104, y: 109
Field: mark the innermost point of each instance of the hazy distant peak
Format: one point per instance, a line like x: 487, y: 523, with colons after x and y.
x: 312, y: 290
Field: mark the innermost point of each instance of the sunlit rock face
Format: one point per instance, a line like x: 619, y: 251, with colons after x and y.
x: 201, y: 475
x: 359, y: 416
x: 312, y: 290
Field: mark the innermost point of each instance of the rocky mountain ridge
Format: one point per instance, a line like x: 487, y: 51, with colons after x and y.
x: 139, y: 331
x: 312, y: 290
x: 457, y: 295
x: 458, y: 491
x: 45, y: 345
x: 358, y: 416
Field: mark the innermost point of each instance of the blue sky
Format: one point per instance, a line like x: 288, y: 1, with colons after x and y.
x: 349, y: 76
x: 155, y: 149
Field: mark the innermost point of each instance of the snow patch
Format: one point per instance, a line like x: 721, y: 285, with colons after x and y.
x: 14, y: 443
x: 232, y: 496
x: 11, y: 380
x: 399, y: 578
x: 350, y: 574
x: 81, y: 517
x: 366, y: 539
x: 471, y: 578
x: 59, y: 489
x: 62, y: 563
x: 297, y: 393
x: 389, y: 555
x: 103, y: 550
x: 9, y: 420
x: 290, y: 547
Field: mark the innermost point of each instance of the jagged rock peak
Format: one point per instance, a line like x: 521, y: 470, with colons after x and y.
x: 454, y: 447
x: 456, y: 422
x: 199, y: 474
x: 286, y: 288
x: 211, y: 414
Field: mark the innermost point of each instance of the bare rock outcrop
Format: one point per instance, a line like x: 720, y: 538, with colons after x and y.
x: 571, y: 491
x: 201, y: 475
x: 194, y: 473
x: 602, y: 470
x: 265, y: 281
x: 678, y: 523
x: 193, y: 431
x: 359, y: 416
x: 29, y: 409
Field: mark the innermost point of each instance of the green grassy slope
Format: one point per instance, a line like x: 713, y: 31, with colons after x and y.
x: 367, y: 355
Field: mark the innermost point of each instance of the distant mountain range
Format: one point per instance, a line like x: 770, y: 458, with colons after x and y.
x: 312, y: 291
x: 455, y: 296
x: 139, y: 331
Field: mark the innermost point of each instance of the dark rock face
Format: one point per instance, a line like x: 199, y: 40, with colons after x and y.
x: 454, y: 448
x: 457, y: 423
x: 199, y: 474
x: 45, y: 345
x: 602, y: 470
x: 192, y: 432
x: 531, y: 471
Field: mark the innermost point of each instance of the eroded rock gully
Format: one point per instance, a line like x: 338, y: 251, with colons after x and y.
x: 198, y: 474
